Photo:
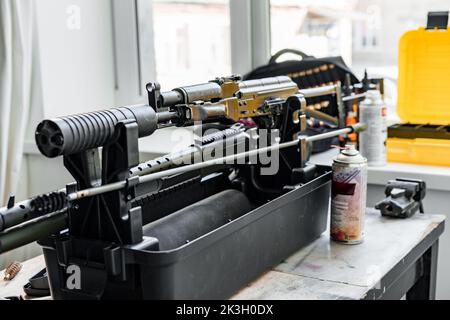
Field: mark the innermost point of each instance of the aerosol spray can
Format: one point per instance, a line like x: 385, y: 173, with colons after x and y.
x: 348, y: 196
x: 372, y: 142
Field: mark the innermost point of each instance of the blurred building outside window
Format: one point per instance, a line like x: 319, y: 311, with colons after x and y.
x: 191, y: 40
x: 192, y: 37
x: 365, y: 33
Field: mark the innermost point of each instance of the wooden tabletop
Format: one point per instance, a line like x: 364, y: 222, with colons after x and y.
x: 322, y: 270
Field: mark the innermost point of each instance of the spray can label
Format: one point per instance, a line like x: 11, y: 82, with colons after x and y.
x: 348, y: 202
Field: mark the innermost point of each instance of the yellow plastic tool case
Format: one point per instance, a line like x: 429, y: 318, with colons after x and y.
x: 423, y: 96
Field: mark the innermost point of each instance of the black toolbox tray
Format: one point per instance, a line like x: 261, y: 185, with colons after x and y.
x: 413, y: 131
x: 217, y: 264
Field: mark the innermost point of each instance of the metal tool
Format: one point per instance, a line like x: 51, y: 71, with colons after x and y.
x: 403, y: 198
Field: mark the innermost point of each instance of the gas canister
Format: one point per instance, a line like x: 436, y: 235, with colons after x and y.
x: 348, y: 191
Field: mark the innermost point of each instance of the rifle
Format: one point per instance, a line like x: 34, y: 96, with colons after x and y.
x: 271, y: 103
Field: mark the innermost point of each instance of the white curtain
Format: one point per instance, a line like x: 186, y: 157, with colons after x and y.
x: 16, y: 56
x: 16, y: 50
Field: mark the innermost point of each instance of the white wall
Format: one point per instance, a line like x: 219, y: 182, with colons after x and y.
x: 76, y: 73
x: 397, y: 17
x: 77, y: 65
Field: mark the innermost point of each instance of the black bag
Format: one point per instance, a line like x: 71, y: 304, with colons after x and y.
x: 307, y: 73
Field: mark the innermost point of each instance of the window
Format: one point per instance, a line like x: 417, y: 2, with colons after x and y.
x: 378, y: 26
x: 191, y: 40
x: 319, y: 28
x: 182, y: 42
x: 365, y: 33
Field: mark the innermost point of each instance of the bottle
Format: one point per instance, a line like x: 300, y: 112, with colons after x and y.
x: 348, y: 196
x: 372, y: 142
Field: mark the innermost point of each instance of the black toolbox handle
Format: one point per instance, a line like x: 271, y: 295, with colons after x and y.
x: 274, y: 58
x: 437, y: 19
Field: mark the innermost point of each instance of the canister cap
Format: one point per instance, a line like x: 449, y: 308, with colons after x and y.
x: 350, y: 155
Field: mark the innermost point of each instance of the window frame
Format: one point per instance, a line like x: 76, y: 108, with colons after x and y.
x: 249, y: 32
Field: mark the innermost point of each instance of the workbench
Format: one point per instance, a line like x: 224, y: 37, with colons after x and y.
x: 397, y: 258
x: 437, y: 200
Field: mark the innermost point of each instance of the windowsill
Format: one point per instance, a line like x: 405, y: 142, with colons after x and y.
x: 436, y: 177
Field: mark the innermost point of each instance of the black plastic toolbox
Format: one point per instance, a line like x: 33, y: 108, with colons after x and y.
x: 214, y: 266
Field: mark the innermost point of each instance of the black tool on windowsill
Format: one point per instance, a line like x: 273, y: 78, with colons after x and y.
x: 403, y: 198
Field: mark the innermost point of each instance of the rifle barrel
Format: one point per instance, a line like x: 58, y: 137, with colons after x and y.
x: 49, y: 224
x: 32, y: 231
